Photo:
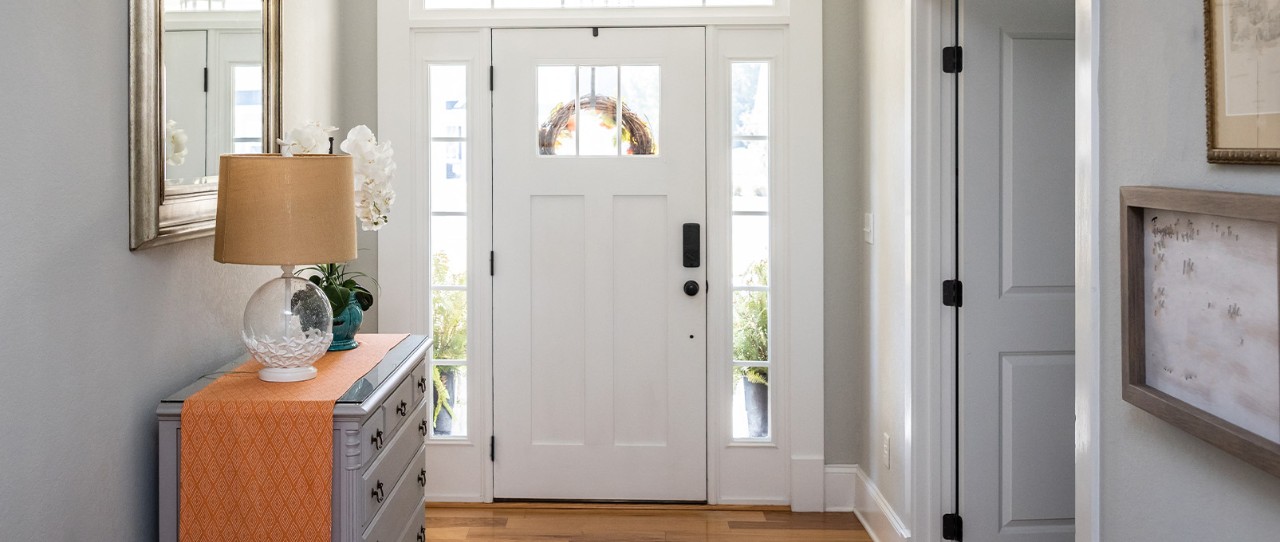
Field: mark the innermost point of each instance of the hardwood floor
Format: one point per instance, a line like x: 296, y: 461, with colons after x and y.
x: 508, y: 522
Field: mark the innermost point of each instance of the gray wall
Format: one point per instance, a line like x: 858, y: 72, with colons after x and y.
x: 358, y: 104
x: 96, y: 335
x: 844, y: 198
x: 1159, y: 483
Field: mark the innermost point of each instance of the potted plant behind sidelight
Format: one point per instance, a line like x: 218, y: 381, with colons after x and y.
x: 449, y: 326
x: 751, y: 343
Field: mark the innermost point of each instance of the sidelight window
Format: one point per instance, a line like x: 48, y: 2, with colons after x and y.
x: 447, y: 153
x: 749, y: 230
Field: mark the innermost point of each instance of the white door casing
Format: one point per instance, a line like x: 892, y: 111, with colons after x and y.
x: 599, y: 355
x: 1016, y: 473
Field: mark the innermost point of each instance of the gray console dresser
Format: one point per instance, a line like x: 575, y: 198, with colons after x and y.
x: 379, y: 431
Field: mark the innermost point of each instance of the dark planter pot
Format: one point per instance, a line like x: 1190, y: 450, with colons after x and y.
x: 757, y: 399
x: 444, y: 422
x: 346, y: 324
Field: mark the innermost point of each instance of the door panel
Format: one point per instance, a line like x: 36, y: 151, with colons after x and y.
x: 599, y: 356
x: 1016, y: 248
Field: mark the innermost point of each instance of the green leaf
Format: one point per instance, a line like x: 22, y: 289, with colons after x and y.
x: 364, y: 298
x: 338, y: 297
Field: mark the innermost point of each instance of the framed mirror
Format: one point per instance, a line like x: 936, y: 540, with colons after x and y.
x: 204, y: 80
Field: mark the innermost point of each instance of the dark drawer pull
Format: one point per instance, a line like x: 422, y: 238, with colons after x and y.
x: 376, y: 440
x: 378, y: 494
x: 403, y: 409
x: 422, y: 478
x: 422, y: 534
x: 422, y: 384
x: 422, y: 428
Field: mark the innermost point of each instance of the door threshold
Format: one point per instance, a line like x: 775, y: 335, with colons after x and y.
x: 611, y: 505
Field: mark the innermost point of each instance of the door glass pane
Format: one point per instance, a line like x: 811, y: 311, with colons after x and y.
x: 750, y: 402
x: 750, y: 82
x: 247, y: 109
x: 750, y: 250
x: 448, y: 97
x: 598, y: 110
x: 449, y: 250
x: 640, y: 94
x: 750, y: 326
x: 557, y: 112
x: 449, y: 324
x: 449, y: 401
x: 750, y: 170
x: 448, y: 177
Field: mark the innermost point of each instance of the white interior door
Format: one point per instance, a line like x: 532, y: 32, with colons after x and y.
x: 599, y: 355
x: 1017, y: 361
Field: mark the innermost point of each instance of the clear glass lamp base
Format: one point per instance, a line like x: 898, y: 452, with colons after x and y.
x: 288, y: 325
x: 291, y: 374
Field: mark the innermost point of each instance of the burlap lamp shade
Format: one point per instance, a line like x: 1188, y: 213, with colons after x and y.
x: 275, y: 210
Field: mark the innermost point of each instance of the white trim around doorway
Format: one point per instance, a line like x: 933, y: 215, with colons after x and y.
x: 794, y: 460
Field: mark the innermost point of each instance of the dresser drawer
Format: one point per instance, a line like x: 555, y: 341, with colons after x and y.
x: 420, y: 383
x: 400, y: 405
x: 382, y: 475
x: 416, y: 530
x: 374, y: 437
x: 403, y: 503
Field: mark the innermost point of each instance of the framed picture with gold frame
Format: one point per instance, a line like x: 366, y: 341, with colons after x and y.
x: 1242, y: 80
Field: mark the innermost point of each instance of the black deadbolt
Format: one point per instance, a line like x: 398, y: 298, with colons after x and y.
x: 691, y: 287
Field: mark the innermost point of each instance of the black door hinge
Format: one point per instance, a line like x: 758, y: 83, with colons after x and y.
x: 206, y: 80
x: 952, y: 527
x: 491, y: 263
x: 492, y: 446
x: 952, y: 59
x: 952, y: 293
x: 490, y: 78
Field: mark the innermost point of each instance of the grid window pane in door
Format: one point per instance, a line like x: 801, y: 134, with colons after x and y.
x: 640, y: 95
x: 597, y: 122
x: 598, y: 110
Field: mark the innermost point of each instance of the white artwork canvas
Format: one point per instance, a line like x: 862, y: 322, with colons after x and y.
x: 1252, y: 56
x: 1213, y: 315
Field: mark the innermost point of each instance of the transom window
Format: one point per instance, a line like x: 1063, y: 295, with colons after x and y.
x: 557, y: 4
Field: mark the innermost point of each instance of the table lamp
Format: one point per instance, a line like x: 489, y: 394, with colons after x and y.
x: 286, y: 211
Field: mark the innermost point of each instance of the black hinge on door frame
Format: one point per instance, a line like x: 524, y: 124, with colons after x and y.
x: 952, y: 527
x: 491, y: 263
x: 492, y: 447
x: 490, y: 78
x: 952, y: 293
x: 206, y: 80
x: 952, y: 59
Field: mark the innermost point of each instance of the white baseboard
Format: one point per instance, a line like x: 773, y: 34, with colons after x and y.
x: 838, y: 486
x: 876, y: 514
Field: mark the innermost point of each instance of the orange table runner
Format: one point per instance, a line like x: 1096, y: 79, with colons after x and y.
x: 257, y: 457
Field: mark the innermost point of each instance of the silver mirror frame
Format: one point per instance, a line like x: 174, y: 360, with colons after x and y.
x: 157, y: 217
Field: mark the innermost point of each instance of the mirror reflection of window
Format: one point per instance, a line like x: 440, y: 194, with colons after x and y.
x: 213, y: 85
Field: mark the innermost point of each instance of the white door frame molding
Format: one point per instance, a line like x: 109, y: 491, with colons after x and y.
x: 933, y: 329
x: 798, y: 255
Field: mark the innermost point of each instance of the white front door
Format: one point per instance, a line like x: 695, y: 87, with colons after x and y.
x: 599, y: 354
x: 1017, y: 362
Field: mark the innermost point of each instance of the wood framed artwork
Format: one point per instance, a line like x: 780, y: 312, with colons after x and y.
x: 1242, y: 80
x: 1200, y: 302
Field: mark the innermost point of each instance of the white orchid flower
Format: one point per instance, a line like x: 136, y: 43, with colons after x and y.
x: 177, y: 138
x: 310, y: 138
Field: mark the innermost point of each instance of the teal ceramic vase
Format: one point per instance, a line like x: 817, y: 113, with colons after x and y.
x: 346, y: 324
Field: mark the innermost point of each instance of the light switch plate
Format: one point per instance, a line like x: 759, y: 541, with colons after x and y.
x: 885, y: 455
x: 869, y: 228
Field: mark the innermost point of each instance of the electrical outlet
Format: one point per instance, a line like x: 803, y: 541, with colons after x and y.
x: 869, y: 228
x: 885, y: 455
